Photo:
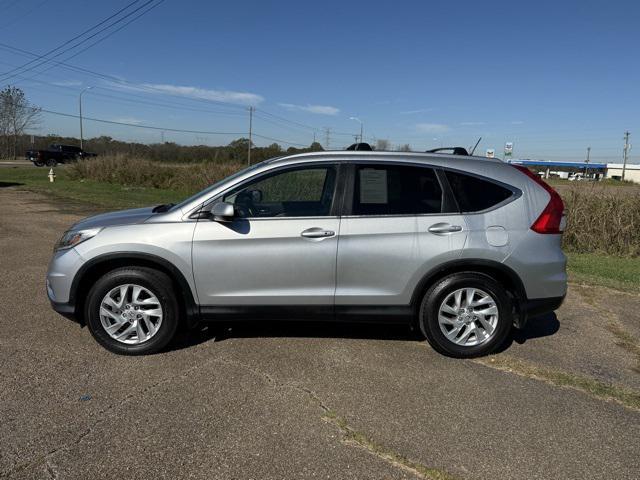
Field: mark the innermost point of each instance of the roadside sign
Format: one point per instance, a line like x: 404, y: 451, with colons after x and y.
x: 508, y: 149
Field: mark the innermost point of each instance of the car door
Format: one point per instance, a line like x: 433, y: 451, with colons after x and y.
x: 279, y: 249
x: 400, y: 221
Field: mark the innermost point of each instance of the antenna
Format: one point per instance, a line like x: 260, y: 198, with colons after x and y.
x: 475, y: 146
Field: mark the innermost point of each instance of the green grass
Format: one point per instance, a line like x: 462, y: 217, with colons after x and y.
x: 613, y: 272
x: 86, y: 192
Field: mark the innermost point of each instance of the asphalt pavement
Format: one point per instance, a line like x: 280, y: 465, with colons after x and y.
x: 297, y: 401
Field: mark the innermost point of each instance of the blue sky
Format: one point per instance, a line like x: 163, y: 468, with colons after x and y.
x: 552, y: 77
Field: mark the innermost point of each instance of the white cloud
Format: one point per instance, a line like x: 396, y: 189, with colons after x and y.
x: 413, y: 112
x: 225, y: 96
x: 68, y: 83
x: 132, y: 120
x: 319, y: 109
x: 471, y: 124
x: 432, y: 128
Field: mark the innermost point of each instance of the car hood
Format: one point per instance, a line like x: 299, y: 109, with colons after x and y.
x: 122, y: 217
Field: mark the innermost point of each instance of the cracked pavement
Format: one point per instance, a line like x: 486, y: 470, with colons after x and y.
x: 263, y: 400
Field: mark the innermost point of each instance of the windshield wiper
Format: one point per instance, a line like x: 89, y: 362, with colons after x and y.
x: 162, y: 208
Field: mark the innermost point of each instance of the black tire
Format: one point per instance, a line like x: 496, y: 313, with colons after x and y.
x: 38, y: 164
x: 433, y: 298
x: 156, y: 282
x: 51, y: 162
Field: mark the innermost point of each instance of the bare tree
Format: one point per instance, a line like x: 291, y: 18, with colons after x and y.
x: 404, y: 148
x: 16, y: 116
x: 383, y: 145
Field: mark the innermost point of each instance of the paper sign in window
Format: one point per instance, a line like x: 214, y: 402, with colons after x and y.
x: 373, y: 186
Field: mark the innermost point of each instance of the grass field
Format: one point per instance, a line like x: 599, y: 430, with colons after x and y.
x: 97, y: 195
x: 614, y: 272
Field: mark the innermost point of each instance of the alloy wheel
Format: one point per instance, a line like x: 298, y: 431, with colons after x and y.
x: 468, y: 317
x: 131, y: 314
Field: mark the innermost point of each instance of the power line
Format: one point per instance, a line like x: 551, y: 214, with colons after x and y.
x: 280, y: 141
x: 72, y: 39
x: 167, y: 129
x: 100, y: 40
x: 139, y: 125
x: 45, y: 57
x: 24, y: 14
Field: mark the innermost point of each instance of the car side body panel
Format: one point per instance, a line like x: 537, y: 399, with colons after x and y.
x: 382, y: 259
x: 265, y: 262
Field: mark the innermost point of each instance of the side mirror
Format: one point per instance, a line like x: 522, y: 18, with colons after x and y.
x: 222, y: 212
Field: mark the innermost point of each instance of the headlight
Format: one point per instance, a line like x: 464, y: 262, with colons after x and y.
x: 74, y: 237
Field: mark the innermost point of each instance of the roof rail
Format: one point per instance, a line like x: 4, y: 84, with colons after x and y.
x: 450, y: 150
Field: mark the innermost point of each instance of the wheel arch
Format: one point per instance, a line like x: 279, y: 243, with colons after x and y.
x: 500, y: 272
x: 100, y: 265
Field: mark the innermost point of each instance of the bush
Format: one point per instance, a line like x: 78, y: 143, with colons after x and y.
x: 138, y: 172
x: 602, y: 221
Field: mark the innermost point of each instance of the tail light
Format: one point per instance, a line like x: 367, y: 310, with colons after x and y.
x: 551, y: 219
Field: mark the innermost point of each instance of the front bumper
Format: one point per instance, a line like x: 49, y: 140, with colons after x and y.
x: 67, y: 310
x: 63, y: 267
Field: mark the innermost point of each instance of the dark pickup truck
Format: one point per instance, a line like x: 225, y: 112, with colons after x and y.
x: 56, y: 154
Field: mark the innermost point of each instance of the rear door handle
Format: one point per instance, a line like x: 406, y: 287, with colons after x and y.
x: 317, y: 232
x: 443, y: 228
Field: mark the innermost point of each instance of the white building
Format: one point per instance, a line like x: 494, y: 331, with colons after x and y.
x: 631, y: 173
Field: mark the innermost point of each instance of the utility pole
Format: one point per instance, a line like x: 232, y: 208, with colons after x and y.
x: 327, y: 132
x: 586, y: 167
x: 80, y: 108
x: 625, y: 153
x: 250, y: 135
x: 361, y: 127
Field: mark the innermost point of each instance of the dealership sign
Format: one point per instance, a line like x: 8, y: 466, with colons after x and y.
x: 508, y: 149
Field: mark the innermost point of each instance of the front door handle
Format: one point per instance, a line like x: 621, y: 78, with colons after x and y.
x: 443, y: 228
x: 317, y: 232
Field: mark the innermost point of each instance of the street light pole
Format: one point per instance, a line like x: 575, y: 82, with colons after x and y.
x: 80, y: 107
x: 361, y: 127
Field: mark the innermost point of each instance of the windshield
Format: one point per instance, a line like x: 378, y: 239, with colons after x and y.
x: 214, y: 186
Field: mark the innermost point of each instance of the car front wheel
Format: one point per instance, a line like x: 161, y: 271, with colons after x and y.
x: 132, y: 311
x: 465, y: 315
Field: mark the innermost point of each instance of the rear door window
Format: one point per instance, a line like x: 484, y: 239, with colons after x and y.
x: 396, y: 190
x: 475, y: 194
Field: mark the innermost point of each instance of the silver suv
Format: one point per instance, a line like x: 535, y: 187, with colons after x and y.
x: 463, y: 248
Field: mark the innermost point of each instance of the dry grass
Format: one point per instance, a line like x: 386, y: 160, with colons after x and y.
x: 125, y: 170
x: 602, y: 221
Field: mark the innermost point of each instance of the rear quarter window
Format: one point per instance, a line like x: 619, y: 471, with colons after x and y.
x: 475, y: 194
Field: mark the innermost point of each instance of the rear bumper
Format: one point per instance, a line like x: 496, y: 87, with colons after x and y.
x: 535, y: 307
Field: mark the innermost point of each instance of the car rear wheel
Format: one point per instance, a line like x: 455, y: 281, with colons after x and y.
x: 51, y: 162
x: 466, y: 314
x: 132, y: 311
